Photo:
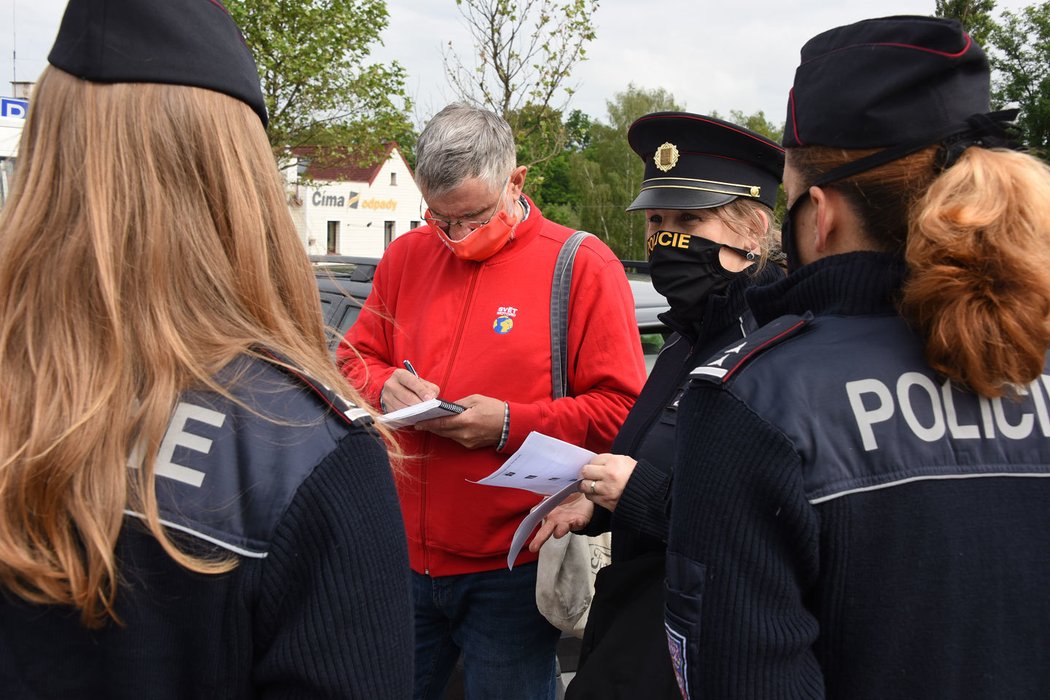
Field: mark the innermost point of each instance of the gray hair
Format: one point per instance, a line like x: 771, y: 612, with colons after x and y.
x: 462, y: 142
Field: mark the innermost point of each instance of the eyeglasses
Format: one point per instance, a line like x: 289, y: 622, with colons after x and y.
x: 446, y: 225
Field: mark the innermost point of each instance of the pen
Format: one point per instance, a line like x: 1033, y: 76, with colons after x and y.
x: 410, y: 368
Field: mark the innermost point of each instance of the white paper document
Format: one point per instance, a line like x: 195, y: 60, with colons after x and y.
x: 543, y: 465
x: 532, y: 520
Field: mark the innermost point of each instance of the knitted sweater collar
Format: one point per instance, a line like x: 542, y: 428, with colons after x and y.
x: 851, y: 284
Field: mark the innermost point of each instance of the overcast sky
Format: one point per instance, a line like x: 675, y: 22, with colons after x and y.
x: 711, y: 55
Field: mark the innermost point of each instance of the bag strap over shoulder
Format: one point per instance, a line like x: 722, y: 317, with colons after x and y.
x: 567, y: 566
x: 560, y: 313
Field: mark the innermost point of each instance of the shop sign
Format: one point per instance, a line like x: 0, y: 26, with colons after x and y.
x: 390, y: 204
x: 12, y: 107
x: 323, y: 199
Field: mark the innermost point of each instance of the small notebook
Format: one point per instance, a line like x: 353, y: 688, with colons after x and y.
x: 424, y: 410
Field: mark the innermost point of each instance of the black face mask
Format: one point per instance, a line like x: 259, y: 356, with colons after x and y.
x: 685, y: 269
x: 787, y: 234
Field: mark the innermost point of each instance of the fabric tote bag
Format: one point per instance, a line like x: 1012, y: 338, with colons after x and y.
x: 568, y: 565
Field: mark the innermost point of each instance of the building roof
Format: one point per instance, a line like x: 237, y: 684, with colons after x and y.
x: 336, y: 167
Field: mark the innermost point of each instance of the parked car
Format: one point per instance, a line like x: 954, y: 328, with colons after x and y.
x: 648, y: 305
x: 345, y: 281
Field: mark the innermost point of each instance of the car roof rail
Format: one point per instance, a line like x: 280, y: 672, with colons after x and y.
x: 636, y: 266
x: 364, y: 268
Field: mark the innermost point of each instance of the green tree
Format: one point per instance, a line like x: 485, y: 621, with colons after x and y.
x: 534, y: 146
x: 634, y: 102
x: 975, y: 16
x: 550, y: 182
x: 606, y: 174
x: 524, y: 53
x: 756, y: 122
x: 319, y: 89
x: 1021, y: 58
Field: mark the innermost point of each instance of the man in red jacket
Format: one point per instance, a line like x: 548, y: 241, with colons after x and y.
x: 466, y: 300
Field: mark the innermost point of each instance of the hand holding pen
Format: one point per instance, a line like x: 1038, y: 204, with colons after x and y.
x: 406, y: 387
x: 481, y: 426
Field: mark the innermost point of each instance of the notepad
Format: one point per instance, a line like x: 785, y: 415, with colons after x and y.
x: 424, y: 410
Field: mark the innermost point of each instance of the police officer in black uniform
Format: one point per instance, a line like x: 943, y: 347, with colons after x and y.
x: 189, y: 511
x: 708, y: 195
x: 860, y: 502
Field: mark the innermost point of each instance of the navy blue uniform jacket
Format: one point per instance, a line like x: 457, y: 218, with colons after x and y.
x: 297, y: 486
x: 624, y: 654
x: 848, y: 524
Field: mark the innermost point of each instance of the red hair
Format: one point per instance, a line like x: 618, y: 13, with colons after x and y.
x: 975, y: 239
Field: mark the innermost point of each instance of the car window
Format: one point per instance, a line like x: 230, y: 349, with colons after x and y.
x: 652, y: 344
x: 648, y: 305
x: 339, y: 308
x: 350, y: 313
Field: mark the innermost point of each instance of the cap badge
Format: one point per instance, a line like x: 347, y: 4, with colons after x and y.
x: 666, y: 157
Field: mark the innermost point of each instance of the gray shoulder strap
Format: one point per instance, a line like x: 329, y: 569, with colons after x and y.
x: 560, y: 313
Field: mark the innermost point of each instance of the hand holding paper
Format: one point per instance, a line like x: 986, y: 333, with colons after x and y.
x: 572, y: 514
x: 543, y: 465
x: 424, y: 410
x: 479, y: 427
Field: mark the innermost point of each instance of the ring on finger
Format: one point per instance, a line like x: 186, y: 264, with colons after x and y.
x: 592, y: 486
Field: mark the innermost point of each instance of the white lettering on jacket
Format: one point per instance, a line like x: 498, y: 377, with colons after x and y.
x: 177, y: 435
x: 930, y: 413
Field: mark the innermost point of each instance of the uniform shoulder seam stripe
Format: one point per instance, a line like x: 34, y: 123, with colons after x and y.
x: 926, y: 477
x: 200, y: 535
x: 758, y: 348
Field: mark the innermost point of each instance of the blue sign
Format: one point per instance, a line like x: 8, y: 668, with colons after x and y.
x: 11, y: 107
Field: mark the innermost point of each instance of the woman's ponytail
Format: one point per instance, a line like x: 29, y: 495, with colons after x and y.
x: 978, y: 253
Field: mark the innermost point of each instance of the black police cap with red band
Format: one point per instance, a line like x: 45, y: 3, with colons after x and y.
x: 697, y: 162
x: 887, y: 81
x: 177, y: 42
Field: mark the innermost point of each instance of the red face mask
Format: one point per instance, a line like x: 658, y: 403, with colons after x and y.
x: 483, y: 242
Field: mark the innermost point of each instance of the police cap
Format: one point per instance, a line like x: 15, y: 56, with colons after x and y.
x: 697, y: 162
x: 177, y: 42
x: 887, y: 81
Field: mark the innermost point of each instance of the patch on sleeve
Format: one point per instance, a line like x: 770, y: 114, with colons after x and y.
x: 676, y: 645
x: 726, y: 362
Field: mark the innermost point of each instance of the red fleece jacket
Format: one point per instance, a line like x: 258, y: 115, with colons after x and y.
x: 484, y: 328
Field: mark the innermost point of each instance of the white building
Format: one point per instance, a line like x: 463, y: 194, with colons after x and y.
x: 10, y: 135
x: 345, y: 209
x: 339, y: 208
x: 13, y: 112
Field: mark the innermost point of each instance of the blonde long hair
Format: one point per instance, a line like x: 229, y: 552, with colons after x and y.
x: 756, y: 222
x: 976, y: 239
x: 145, y: 245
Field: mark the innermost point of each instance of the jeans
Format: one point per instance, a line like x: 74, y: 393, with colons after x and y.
x: 491, y: 617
